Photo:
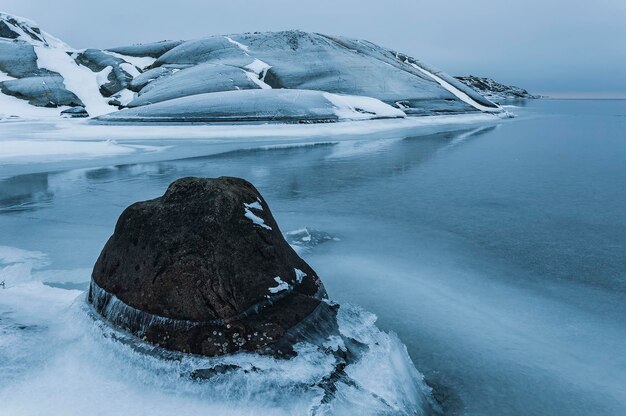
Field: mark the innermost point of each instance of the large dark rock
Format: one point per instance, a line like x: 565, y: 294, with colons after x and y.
x: 205, y: 269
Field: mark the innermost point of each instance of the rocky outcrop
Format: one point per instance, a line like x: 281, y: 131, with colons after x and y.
x: 152, y: 49
x: 164, y: 72
x: 259, y: 105
x: 494, y: 90
x: 205, y: 269
x: 41, y: 91
x: 18, y: 59
x: 118, y: 76
x: 75, y: 112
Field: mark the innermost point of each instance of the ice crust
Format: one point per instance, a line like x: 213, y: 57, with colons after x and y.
x: 64, y: 360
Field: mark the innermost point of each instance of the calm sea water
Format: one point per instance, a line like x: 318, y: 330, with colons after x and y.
x: 497, y: 254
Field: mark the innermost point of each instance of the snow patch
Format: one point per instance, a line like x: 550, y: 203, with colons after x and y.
x: 299, y: 275
x: 354, y: 107
x: 458, y: 93
x: 254, y: 78
x: 103, y: 76
x: 258, y: 66
x: 240, y: 45
x: 130, y: 69
x: 26, y: 29
x: 137, y: 61
x: 257, y: 71
x: 125, y: 96
x: 254, y: 218
x: 280, y: 287
x: 76, y: 78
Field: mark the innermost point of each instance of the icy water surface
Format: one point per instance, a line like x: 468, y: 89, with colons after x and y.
x: 496, y: 253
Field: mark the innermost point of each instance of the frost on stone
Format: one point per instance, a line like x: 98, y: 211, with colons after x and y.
x: 253, y: 217
x: 299, y: 275
x: 281, y: 285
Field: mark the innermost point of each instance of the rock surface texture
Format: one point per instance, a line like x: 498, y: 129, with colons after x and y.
x: 205, y: 269
x: 168, y: 79
x: 495, y: 91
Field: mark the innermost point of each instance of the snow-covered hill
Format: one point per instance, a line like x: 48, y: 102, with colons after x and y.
x: 494, y: 90
x: 326, y: 78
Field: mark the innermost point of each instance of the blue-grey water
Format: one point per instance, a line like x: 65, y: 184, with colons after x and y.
x: 496, y: 253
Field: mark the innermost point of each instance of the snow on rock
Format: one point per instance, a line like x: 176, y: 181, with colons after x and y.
x: 299, y: 275
x: 258, y: 71
x: 361, y: 80
x: 137, y: 61
x: 494, y: 90
x: 352, y: 107
x: 258, y: 66
x: 102, y: 77
x: 280, y: 286
x: 144, y: 50
x: 198, y: 79
x: 238, y: 44
x: 258, y: 105
x: 25, y: 30
x: 77, y: 78
x: 461, y: 95
x: 122, y: 98
x: 253, y: 217
x: 15, y: 107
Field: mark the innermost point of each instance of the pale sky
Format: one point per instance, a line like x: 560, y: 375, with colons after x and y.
x: 556, y: 47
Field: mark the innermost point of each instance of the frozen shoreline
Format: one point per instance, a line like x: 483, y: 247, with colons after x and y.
x: 36, y: 145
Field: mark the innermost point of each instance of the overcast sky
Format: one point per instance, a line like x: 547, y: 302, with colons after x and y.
x: 557, y: 47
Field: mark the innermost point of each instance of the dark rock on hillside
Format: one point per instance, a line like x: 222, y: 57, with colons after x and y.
x: 41, y: 91
x: 205, y: 269
x: 153, y: 49
x: 494, y: 90
x: 118, y: 77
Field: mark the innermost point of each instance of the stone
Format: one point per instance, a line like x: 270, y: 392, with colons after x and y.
x: 204, y: 269
x: 41, y: 91
x: 75, y: 112
x: 118, y: 77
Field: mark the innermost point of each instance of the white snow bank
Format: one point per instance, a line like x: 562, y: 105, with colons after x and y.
x: 15, y: 107
x: 257, y: 70
x: 257, y: 66
x: 35, y: 151
x: 138, y: 61
x: 76, y: 78
x: 102, y: 77
x: 458, y: 93
x: 238, y: 44
x: 353, y: 107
